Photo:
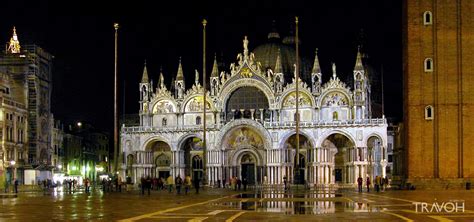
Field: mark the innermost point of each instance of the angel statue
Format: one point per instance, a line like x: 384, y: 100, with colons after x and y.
x: 196, y: 77
x: 222, y: 75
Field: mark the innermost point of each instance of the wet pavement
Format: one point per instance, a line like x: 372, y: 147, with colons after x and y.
x: 226, y: 205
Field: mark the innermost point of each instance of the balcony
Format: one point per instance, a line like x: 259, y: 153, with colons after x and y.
x: 266, y: 124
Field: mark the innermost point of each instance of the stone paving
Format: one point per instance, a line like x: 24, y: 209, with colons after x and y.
x: 227, y: 205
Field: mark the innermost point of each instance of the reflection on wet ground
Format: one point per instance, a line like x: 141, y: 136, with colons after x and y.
x: 322, y: 202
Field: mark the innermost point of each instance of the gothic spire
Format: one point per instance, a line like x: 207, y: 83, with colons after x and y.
x: 358, y: 64
x: 145, y: 74
x: 278, y: 67
x: 14, y: 45
x: 215, y: 71
x: 316, y: 67
x: 179, y: 75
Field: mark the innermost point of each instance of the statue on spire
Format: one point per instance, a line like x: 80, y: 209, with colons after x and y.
x: 14, y: 45
x: 246, y: 49
x: 196, y: 77
x: 334, y: 70
x: 162, y: 81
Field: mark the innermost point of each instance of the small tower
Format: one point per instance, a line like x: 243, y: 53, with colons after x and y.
x: 214, y: 78
x: 179, y: 82
x: 145, y: 96
x: 279, y: 77
x: 360, y: 88
x: 316, y: 76
x: 14, y: 45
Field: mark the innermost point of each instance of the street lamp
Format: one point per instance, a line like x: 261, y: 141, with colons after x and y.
x: 60, y: 166
x: 12, y: 162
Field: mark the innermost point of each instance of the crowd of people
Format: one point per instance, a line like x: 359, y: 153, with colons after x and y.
x: 170, y: 183
x: 380, y: 183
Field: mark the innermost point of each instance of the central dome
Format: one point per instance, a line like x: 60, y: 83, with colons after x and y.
x: 267, y: 54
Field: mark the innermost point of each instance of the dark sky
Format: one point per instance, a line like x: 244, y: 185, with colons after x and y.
x: 81, y: 37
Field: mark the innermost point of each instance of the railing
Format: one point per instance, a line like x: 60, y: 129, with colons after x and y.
x: 323, y: 123
x: 320, y: 123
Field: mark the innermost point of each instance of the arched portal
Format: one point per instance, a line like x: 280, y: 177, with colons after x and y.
x: 298, y: 166
x: 190, y: 158
x: 376, y: 157
x: 161, y: 158
x: 248, y: 167
x: 246, y: 102
x: 340, y: 148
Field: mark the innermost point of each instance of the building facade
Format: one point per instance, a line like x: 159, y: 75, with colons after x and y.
x: 31, y: 67
x: 13, y: 132
x: 250, y: 119
x: 438, y: 90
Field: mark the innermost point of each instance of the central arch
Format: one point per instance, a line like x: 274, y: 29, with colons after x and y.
x: 340, y: 146
x: 246, y: 82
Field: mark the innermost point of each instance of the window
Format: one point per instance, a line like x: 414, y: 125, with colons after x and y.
x: 428, y: 112
x: 334, y: 116
x: 390, y: 158
x: 164, y: 122
x: 427, y: 18
x: 428, y: 65
x: 198, y: 120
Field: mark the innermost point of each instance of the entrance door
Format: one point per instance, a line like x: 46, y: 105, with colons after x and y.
x: 163, y: 174
x: 338, y: 175
x: 248, y: 172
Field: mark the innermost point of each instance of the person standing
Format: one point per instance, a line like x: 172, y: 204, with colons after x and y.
x: 239, y: 184
x: 148, y: 184
x: 196, y: 185
x: 16, y: 185
x: 178, y: 182
x: 142, y: 184
x: 170, y: 183
x: 367, y: 183
x: 187, y: 184
x: 119, y: 184
x: 359, y: 184
x: 377, y: 184
x: 86, y: 185
x: 285, y: 183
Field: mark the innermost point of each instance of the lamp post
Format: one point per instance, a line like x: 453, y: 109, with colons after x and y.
x: 116, y: 26
x: 12, y: 165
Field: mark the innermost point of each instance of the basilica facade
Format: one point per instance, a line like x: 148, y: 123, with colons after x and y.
x: 250, y: 126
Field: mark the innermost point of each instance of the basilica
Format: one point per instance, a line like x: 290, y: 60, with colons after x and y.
x: 251, y: 128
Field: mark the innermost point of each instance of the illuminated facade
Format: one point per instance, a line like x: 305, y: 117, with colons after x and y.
x: 31, y: 68
x: 251, y: 126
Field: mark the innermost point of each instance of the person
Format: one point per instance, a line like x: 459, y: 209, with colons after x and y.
x: 367, y: 183
x: 16, y: 185
x: 86, y: 185
x: 377, y: 184
x: 359, y: 184
x: 234, y: 183
x: 148, y: 184
x: 119, y: 184
x: 239, y: 183
x: 178, y: 182
x: 142, y: 184
x: 285, y: 183
x: 382, y: 180
x: 196, y: 185
x: 170, y: 183
x: 244, y: 182
x: 385, y: 183
x: 187, y: 184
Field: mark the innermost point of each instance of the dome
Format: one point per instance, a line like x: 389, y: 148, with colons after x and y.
x: 267, y: 54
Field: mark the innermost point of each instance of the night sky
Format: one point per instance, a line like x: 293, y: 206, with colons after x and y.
x: 81, y: 37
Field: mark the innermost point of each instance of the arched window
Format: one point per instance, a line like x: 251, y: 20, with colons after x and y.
x: 164, y: 122
x: 429, y: 112
x: 428, y: 65
x: 335, y: 116
x: 427, y: 18
x: 198, y: 120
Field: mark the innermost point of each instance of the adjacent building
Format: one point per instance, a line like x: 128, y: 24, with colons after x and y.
x: 438, y: 91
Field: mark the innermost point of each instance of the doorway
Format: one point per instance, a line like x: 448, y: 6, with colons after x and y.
x: 248, y: 169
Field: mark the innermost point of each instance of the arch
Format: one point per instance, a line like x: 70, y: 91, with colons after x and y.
x: 235, y: 124
x: 429, y: 115
x: 335, y: 131
x: 290, y: 133
x: 238, y: 154
x: 185, y: 137
x: 375, y: 134
x: 154, y: 138
x: 427, y: 18
x: 428, y: 65
x: 163, y: 160
x: 246, y: 97
x: 289, y: 99
x: 194, y: 103
x: 229, y: 88
x: 164, y: 106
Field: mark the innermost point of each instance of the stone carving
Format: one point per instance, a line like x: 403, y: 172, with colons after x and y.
x: 195, y: 105
x: 164, y: 107
x: 335, y: 99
